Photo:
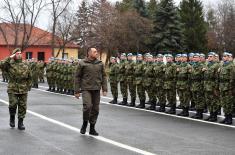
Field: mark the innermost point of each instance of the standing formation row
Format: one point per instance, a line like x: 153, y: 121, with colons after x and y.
x: 199, y: 84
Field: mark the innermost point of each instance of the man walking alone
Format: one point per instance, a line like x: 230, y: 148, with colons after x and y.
x: 90, y: 78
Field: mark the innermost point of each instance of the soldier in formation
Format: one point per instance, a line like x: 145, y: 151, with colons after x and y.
x: 201, y: 84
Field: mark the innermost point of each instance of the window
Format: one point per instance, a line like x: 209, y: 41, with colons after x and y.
x: 41, y: 56
x: 29, y: 55
x: 65, y: 56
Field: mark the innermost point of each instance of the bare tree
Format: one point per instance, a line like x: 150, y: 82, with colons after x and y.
x: 64, y: 32
x: 20, y: 18
x: 58, y: 8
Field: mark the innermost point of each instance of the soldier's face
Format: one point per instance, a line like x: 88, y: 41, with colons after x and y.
x: 169, y: 59
x: 113, y: 61
x: 225, y: 58
x: 123, y: 58
x: 129, y: 58
x: 139, y: 58
x: 210, y: 58
x: 196, y: 59
x: 18, y: 56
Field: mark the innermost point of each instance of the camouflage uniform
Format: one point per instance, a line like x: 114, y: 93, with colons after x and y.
x: 131, y: 81
x: 35, y: 70
x: 226, y: 79
x: 20, y: 81
x: 148, y: 84
x: 139, y: 81
x: 183, y: 88
x: 49, y: 75
x: 211, y: 89
x: 113, y: 81
x: 159, y: 74
x: 196, y: 77
x: 123, y: 82
x: 170, y: 85
x: 41, y: 66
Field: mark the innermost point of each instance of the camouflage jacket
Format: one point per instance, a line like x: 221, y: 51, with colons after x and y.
x: 113, y: 69
x: 122, y: 71
x: 211, y: 77
x: 196, y: 77
x: 148, y: 75
x: 130, y: 70
x: 169, y: 76
x: 183, y: 76
x: 20, y: 76
x: 226, y: 77
x: 139, y: 70
x: 159, y: 74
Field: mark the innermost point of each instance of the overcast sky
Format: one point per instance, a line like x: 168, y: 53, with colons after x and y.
x: 44, y: 21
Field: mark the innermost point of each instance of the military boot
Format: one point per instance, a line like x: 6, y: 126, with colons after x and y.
x: 124, y: 102
x: 184, y: 112
x: 84, y: 126
x: 192, y: 107
x: 211, y: 115
x: 65, y: 91
x: 132, y: 104
x: 12, y: 112
x: 229, y: 119
x: 205, y: 110
x: 172, y: 110
x: 214, y: 117
x: 141, y: 105
x: 179, y: 107
x: 199, y: 114
x: 21, y: 124
x: 219, y: 111
x: 162, y: 108
x: 49, y: 89
x: 93, y: 131
x: 114, y: 100
x: 152, y: 106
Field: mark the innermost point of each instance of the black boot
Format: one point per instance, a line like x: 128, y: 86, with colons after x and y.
x: 162, y: 108
x: 192, y: 107
x: 12, y: 112
x: 209, y: 118
x: 141, y: 105
x: 93, y: 131
x: 172, y: 110
x: 114, y: 100
x: 124, y: 102
x: 84, y: 126
x: 65, y: 91
x: 229, y: 119
x: 49, y: 89
x: 53, y: 90
x: 182, y: 113
x: 21, y: 124
x: 179, y: 107
x: 132, y: 104
x: 219, y: 111
x: 214, y: 117
x: 152, y: 106
x: 68, y: 92
x: 205, y: 110
x: 199, y: 114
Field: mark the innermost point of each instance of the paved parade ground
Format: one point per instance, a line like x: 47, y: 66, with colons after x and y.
x: 53, y: 123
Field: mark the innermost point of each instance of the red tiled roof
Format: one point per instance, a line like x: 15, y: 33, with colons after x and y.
x: 38, y: 37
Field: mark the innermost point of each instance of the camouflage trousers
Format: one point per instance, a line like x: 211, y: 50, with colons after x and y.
x: 141, y: 92
x: 160, y: 95
x: 123, y: 87
x: 41, y: 76
x: 91, y: 102
x: 35, y: 79
x: 184, y: 97
x: 132, y: 89
x: 226, y: 100
x: 170, y: 95
x: 114, y: 88
x: 151, y: 92
x: 198, y: 97
x: 211, y: 101
x: 5, y: 76
x: 20, y: 101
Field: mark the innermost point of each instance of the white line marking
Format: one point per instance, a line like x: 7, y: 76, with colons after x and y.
x: 160, y: 113
x: 103, y: 139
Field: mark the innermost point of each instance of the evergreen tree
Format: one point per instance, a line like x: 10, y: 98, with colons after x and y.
x: 151, y: 8
x: 167, y: 33
x: 194, y: 29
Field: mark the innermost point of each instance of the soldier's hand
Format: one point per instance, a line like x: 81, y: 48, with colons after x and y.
x: 12, y: 56
x: 177, y: 69
x: 204, y: 69
x: 77, y: 95
x: 104, y: 93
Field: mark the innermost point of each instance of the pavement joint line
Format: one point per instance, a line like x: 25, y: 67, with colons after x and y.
x: 145, y: 110
x: 103, y: 139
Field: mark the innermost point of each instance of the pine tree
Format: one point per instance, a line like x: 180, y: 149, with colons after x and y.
x: 167, y: 33
x: 151, y: 8
x: 194, y: 29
